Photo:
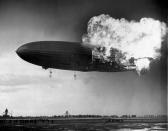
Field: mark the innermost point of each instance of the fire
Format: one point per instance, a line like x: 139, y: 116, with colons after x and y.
x: 142, y: 64
x: 126, y: 40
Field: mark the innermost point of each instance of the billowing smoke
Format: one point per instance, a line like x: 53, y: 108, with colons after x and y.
x: 131, y: 42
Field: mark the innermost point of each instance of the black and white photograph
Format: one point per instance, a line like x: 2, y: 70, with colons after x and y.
x: 83, y: 65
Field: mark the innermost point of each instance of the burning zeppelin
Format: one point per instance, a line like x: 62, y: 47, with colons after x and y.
x: 109, y: 45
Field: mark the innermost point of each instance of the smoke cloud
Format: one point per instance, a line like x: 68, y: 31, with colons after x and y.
x: 127, y: 43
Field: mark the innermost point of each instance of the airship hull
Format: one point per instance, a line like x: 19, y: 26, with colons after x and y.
x: 65, y: 56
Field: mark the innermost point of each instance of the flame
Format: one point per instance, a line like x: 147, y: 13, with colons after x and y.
x: 126, y: 39
x: 142, y: 64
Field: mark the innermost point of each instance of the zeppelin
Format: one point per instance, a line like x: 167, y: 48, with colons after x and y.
x: 66, y: 56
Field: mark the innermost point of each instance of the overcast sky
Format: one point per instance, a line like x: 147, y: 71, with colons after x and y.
x: 26, y: 89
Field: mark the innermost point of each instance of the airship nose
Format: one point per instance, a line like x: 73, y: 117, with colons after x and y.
x: 29, y: 53
x: 23, y: 51
x: 20, y: 51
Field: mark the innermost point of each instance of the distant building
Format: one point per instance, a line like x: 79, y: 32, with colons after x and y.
x: 133, y: 116
x: 67, y: 114
x: 114, y: 116
x: 6, y: 113
x: 124, y: 116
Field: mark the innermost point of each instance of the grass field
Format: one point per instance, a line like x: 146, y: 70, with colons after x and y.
x: 83, y: 124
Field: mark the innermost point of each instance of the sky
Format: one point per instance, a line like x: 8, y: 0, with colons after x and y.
x: 26, y: 89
